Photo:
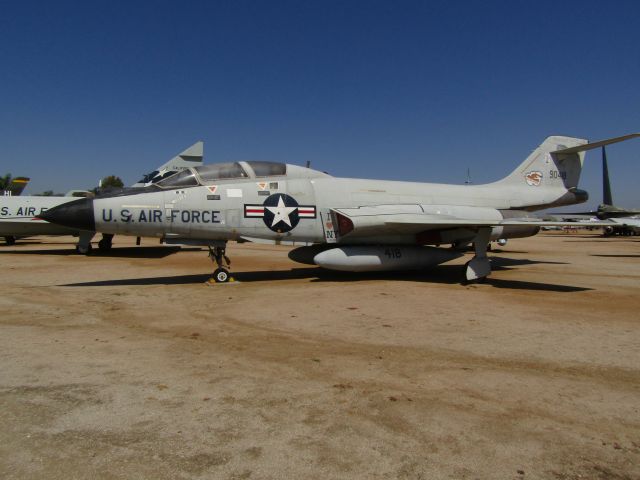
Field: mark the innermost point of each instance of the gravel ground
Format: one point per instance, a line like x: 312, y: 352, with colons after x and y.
x: 128, y: 365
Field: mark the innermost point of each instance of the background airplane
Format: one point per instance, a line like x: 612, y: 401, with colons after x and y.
x: 15, y: 187
x: 19, y: 214
x: 626, y: 222
x: 354, y: 224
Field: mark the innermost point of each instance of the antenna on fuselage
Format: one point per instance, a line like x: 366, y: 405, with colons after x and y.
x: 308, y: 165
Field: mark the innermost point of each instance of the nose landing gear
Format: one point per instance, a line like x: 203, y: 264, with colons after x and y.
x: 221, y: 274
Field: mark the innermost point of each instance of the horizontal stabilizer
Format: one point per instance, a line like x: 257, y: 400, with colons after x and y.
x: 601, y: 143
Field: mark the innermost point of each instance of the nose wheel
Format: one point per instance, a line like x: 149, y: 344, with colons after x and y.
x: 220, y: 274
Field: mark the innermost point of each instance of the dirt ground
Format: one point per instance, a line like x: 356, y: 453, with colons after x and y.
x: 127, y: 365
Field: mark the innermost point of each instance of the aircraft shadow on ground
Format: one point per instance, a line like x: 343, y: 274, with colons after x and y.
x: 171, y: 280
x: 501, y: 263
x: 443, y: 274
x: 122, y: 252
x: 20, y: 243
x: 496, y: 251
x: 614, y: 255
x: 519, y: 285
x: 602, y: 239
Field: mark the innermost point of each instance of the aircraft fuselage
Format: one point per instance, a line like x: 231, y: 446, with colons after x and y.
x: 281, y: 209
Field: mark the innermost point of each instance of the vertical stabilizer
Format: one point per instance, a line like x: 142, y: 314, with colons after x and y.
x: 16, y: 186
x: 549, y: 176
x: 190, y: 157
x: 607, y: 199
x: 549, y: 166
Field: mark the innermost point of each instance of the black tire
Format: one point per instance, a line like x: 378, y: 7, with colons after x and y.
x: 10, y: 240
x: 104, y: 245
x: 221, y: 275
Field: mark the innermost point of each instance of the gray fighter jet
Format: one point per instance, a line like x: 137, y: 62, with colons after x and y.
x: 351, y: 224
x: 624, y: 221
x: 628, y: 221
x: 19, y: 215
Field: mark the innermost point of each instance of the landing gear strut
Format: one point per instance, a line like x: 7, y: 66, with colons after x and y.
x: 84, y: 243
x: 479, y: 268
x: 105, y: 244
x: 218, y: 255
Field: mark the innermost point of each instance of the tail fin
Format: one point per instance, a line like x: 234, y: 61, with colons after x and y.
x: 16, y: 186
x: 549, y: 167
x: 549, y: 176
x: 190, y: 157
x: 607, y: 199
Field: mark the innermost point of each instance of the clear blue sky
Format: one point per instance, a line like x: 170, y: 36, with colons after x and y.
x: 398, y: 90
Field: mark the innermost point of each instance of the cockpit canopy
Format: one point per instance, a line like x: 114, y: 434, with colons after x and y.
x: 210, y: 174
x: 207, y: 174
x: 155, y: 177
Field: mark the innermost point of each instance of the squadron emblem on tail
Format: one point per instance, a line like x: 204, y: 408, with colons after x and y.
x: 533, y: 178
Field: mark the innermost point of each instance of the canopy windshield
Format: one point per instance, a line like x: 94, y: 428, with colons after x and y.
x: 220, y: 171
x: 268, y: 169
x: 148, y: 177
x: 186, y: 178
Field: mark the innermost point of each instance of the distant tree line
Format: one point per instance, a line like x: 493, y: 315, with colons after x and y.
x: 108, y: 183
x: 5, y: 181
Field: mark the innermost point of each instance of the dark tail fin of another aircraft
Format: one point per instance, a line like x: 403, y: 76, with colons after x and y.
x: 16, y: 186
x: 607, y: 199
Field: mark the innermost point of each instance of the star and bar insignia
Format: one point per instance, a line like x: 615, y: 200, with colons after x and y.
x: 280, y: 212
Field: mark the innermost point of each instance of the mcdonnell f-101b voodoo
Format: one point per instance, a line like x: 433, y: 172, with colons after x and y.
x: 351, y: 224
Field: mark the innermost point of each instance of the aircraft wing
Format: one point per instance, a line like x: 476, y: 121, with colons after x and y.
x: 399, y: 223
x: 436, y: 223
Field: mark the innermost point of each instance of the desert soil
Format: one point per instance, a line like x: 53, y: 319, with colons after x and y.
x: 128, y: 365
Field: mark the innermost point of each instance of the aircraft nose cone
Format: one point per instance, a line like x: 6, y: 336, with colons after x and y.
x: 75, y: 214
